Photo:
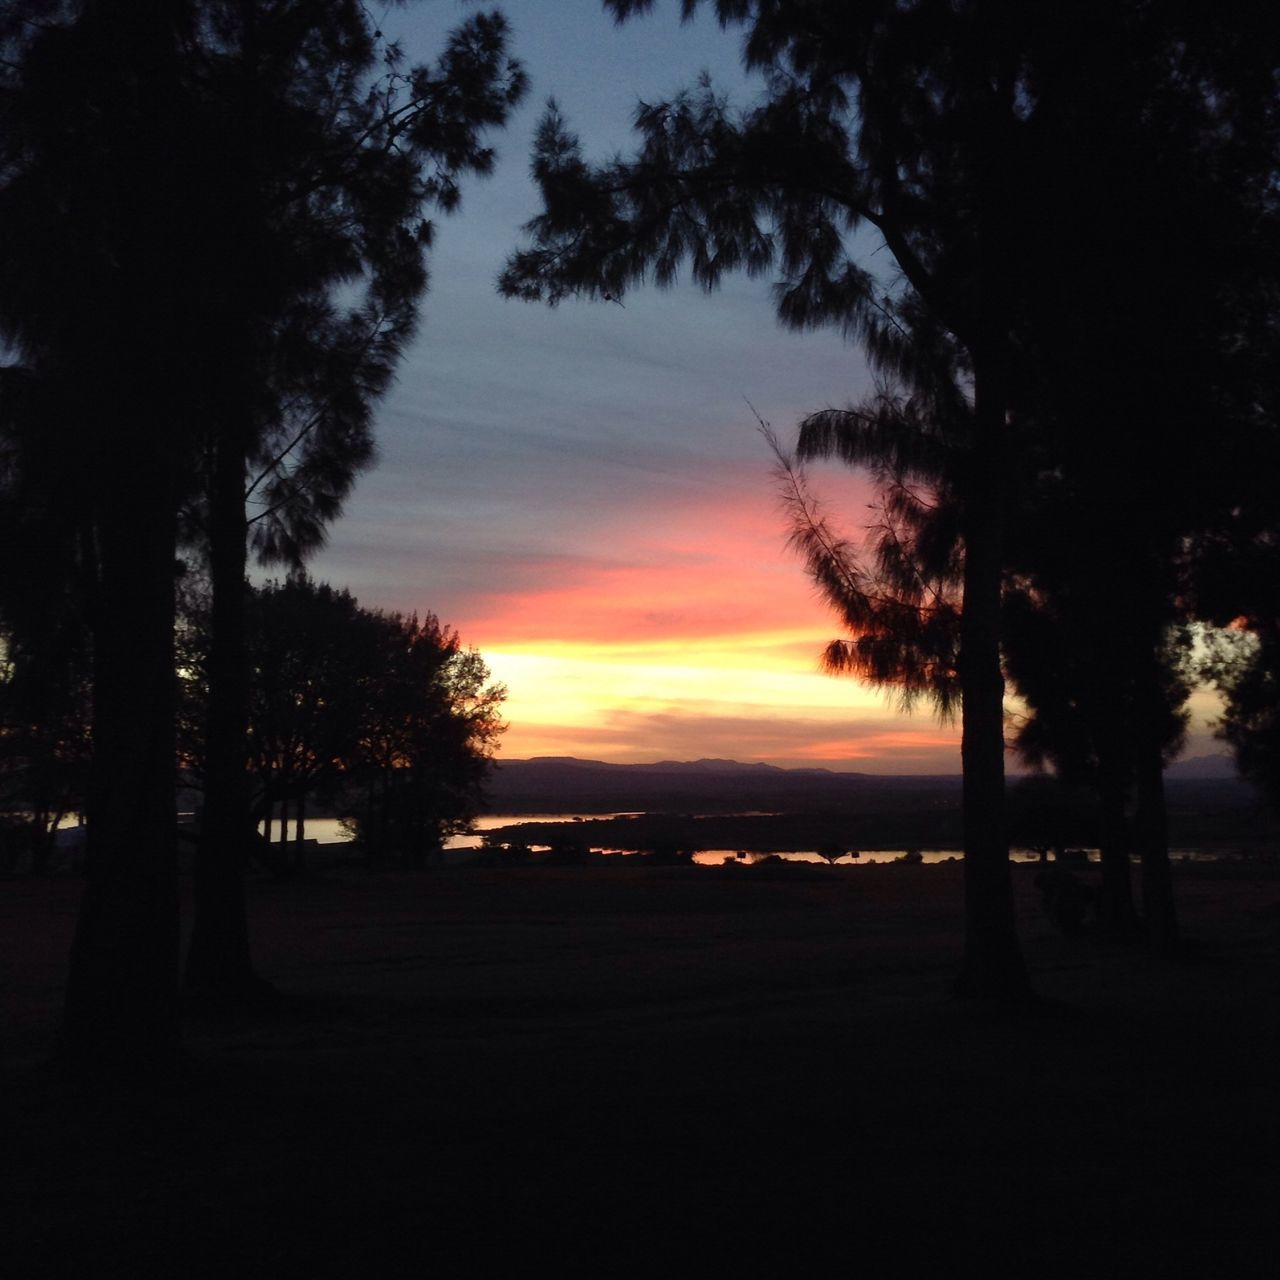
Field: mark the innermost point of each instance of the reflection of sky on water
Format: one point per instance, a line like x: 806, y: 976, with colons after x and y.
x: 330, y: 831
x: 928, y: 857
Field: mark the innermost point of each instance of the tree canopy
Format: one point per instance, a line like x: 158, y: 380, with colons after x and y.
x: 902, y: 119
x: 385, y: 718
x: 212, y: 222
x: 335, y: 152
x: 1033, y: 179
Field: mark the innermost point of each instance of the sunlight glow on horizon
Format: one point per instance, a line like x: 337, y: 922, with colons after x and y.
x: 683, y: 628
x: 633, y: 703
x: 689, y: 631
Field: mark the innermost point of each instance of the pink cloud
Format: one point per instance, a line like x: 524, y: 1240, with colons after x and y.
x: 695, y: 566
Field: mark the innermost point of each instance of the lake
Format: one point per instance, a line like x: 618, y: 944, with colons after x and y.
x: 330, y: 831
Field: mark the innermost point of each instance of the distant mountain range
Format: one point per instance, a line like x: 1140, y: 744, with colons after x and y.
x: 705, y: 765
x: 565, y: 784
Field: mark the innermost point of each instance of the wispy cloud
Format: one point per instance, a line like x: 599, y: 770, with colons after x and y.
x: 628, y: 736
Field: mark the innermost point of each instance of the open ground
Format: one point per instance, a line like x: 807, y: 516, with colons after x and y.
x: 623, y: 1067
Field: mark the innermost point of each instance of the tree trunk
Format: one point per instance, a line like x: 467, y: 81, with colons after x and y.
x: 219, y: 965
x: 121, y: 1002
x: 300, y: 833
x: 1117, y: 916
x: 129, y: 362
x: 1159, y: 910
x: 992, y: 963
x: 44, y: 839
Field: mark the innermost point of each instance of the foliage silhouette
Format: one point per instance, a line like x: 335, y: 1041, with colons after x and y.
x: 431, y: 727
x: 103, y: 217
x: 1179, y: 128
x: 45, y: 658
x: 1101, y: 513
x: 44, y: 745
x: 899, y: 118
x: 337, y: 151
x: 144, y: 294
x: 967, y: 135
x: 1245, y: 666
x: 1048, y: 815
x: 387, y: 719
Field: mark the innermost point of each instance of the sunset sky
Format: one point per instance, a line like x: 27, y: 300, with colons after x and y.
x: 583, y: 493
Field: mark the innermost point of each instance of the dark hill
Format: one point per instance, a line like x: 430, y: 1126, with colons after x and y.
x: 559, y: 784
x: 907, y: 810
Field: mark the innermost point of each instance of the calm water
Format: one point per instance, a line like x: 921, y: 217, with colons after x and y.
x: 329, y: 831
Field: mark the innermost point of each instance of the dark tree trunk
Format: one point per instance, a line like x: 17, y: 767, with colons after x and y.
x: 121, y: 1001
x: 121, y: 1009
x: 1159, y: 910
x: 1117, y: 916
x: 44, y: 840
x: 219, y: 965
x: 992, y: 963
x: 283, y: 858
x: 300, y: 833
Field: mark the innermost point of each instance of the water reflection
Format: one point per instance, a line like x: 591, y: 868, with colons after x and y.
x: 330, y: 831
x: 866, y: 857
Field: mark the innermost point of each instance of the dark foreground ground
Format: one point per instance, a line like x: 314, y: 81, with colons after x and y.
x: 676, y: 1071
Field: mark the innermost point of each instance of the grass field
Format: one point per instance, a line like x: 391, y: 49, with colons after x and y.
x: 623, y: 1068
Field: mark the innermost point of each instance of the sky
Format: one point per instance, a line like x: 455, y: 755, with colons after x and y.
x: 583, y: 491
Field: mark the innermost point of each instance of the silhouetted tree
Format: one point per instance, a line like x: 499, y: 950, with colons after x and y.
x: 387, y: 718
x: 1236, y: 590
x: 133, y: 206
x: 432, y: 722
x: 1235, y: 559
x: 1079, y: 721
x: 103, y: 215
x: 1178, y: 126
x: 1048, y: 815
x: 44, y: 745
x: 312, y: 663
x: 1102, y: 672
x: 966, y: 134
x: 45, y: 657
x: 1245, y: 666
x: 897, y: 591
x: 305, y: 662
x: 909, y: 119
x: 336, y: 151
